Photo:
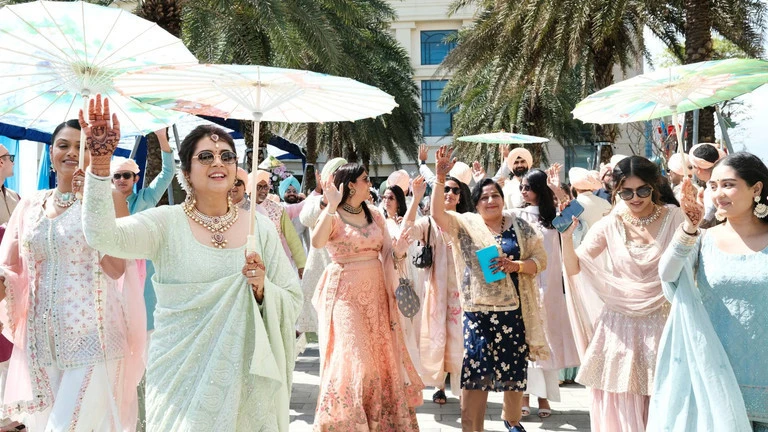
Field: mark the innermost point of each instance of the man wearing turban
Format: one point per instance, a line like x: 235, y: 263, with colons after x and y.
x: 518, y: 162
x: 585, y: 183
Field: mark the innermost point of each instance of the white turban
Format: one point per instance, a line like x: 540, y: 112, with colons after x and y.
x: 616, y: 159
x: 462, y: 172
x: 120, y: 164
x: 519, y: 152
x: 677, y: 163
x: 399, y: 178
x: 582, y: 179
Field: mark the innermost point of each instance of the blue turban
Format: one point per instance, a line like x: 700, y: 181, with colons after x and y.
x: 289, y: 181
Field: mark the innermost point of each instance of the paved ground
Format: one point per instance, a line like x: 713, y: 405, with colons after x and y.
x: 569, y: 415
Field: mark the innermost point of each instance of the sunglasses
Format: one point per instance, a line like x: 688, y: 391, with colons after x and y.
x: 123, y: 175
x: 455, y: 190
x: 9, y: 156
x: 206, y: 157
x: 642, y: 192
x: 239, y: 183
x: 262, y: 187
x: 525, y: 188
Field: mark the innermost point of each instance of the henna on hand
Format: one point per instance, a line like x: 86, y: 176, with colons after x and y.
x: 101, y: 135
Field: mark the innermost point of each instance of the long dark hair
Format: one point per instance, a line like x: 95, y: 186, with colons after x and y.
x: 465, y: 197
x: 399, y: 199
x: 537, y: 180
x: 347, y: 174
x: 666, y: 193
x: 641, y: 168
x: 752, y: 170
x: 477, y: 191
x: 188, y: 146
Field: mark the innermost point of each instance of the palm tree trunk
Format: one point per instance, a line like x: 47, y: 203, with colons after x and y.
x: 698, y: 48
x: 309, y: 172
x: 604, y: 63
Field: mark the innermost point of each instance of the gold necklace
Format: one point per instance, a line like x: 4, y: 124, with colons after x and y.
x: 642, y: 221
x: 354, y: 210
x: 63, y: 199
x: 497, y: 237
x: 217, y: 225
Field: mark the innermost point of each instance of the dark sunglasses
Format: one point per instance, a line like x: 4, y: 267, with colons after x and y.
x: 9, y: 156
x: 239, y: 183
x: 642, y: 192
x: 525, y: 188
x: 206, y: 157
x: 456, y: 190
x: 124, y: 175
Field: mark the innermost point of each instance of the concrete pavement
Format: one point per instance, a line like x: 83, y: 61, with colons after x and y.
x: 572, y: 414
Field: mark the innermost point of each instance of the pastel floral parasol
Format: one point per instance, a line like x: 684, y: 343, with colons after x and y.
x: 503, y: 138
x: 58, y: 54
x: 258, y: 93
x: 672, y: 91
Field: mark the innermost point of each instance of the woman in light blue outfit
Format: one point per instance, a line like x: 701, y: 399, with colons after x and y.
x: 711, y: 372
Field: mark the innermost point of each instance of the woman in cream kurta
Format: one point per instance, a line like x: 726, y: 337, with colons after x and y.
x: 221, y: 357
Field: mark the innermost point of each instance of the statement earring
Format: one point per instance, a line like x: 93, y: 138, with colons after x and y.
x: 761, y: 210
x: 352, y: 192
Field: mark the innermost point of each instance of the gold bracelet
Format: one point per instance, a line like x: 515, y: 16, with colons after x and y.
x: 438, y: 183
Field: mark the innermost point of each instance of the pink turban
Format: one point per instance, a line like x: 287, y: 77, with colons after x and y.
x: 261, y: 176
x: 399, y: 178
x: 462, y: 172
x: 519, y: 152
x: 120, y: 164
x: 242, y: 175
x: 582, y: 179
x: 703, y: 164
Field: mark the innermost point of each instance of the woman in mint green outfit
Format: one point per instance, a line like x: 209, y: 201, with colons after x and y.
x: 711, y: 372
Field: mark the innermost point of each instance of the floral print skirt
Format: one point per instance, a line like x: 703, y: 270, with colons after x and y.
x: 494, y: 351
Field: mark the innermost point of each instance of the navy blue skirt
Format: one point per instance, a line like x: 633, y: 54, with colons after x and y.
x: 495, y: 351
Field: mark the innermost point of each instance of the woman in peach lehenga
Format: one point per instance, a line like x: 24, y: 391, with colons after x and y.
x: 368, y: 382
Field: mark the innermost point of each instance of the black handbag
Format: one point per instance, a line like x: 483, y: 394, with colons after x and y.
x: 423, y: 259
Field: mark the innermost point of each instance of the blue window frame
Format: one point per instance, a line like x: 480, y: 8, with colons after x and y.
x: 437, y: 122
x: 433, y: 46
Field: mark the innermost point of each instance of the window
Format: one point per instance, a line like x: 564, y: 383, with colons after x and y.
x: 433, y: 46
x: 580, y: 156
x: 437, y: 122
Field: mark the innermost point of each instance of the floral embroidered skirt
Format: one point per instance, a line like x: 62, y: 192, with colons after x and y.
x: 494, y: 351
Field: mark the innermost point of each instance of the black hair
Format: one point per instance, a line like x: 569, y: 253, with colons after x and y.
x: 347, y: 174
x: 465, y: 196
x: 750, y: 169
x: 537, y: 180
x: 477, y: 191
x: 708, y: 152
x: 188, y: 146
x: 74, y: 124
x: 399, y: 199
x: 666, y: 194
x: 641, y: 168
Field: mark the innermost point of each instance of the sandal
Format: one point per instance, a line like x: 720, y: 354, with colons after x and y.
x: 526, y: 411
x: 544, y: 413
x: 517, y: 428
x: 439, y: 397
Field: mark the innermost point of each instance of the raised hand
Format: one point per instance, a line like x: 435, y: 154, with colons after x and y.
x: 478, y: 172
x: 504, y: 149
x: 400, y: 244
x: 332, y: 194
x: 419, y: 187
x: 553, y: 174
x: 443, y: 162
x: 422, y: 152
x: 689, y: 203
x: 101, y: 135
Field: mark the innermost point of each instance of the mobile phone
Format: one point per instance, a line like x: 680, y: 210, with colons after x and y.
x: 565, y: 219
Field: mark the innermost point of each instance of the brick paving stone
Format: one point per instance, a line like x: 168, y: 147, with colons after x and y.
x: 571, y: 414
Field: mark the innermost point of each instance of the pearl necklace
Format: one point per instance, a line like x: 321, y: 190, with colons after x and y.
x: 642, y: 221
x: 63, y: 199
x: 217, y: 225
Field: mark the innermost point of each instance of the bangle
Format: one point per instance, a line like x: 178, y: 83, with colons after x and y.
x: 438, y: 183
x: 330, y: 213
x: 398, y: 259
x: 423, y: 163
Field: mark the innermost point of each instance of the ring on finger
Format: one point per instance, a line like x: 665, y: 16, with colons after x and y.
x: 251, y: 273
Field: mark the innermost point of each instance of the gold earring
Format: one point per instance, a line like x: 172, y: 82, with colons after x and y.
x: 761, y: 210
x: 352, y: 192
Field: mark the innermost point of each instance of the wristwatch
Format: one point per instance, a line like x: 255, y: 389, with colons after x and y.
x: 423, y: 163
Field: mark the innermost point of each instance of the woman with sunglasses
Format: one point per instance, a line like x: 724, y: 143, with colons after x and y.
x: 502, y: 319
x: 222, y: 353
x: 717, y: 281
x: 543, y: 375
x: 77, y: 330
x: 441, y: 340
x: 618, y: 308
